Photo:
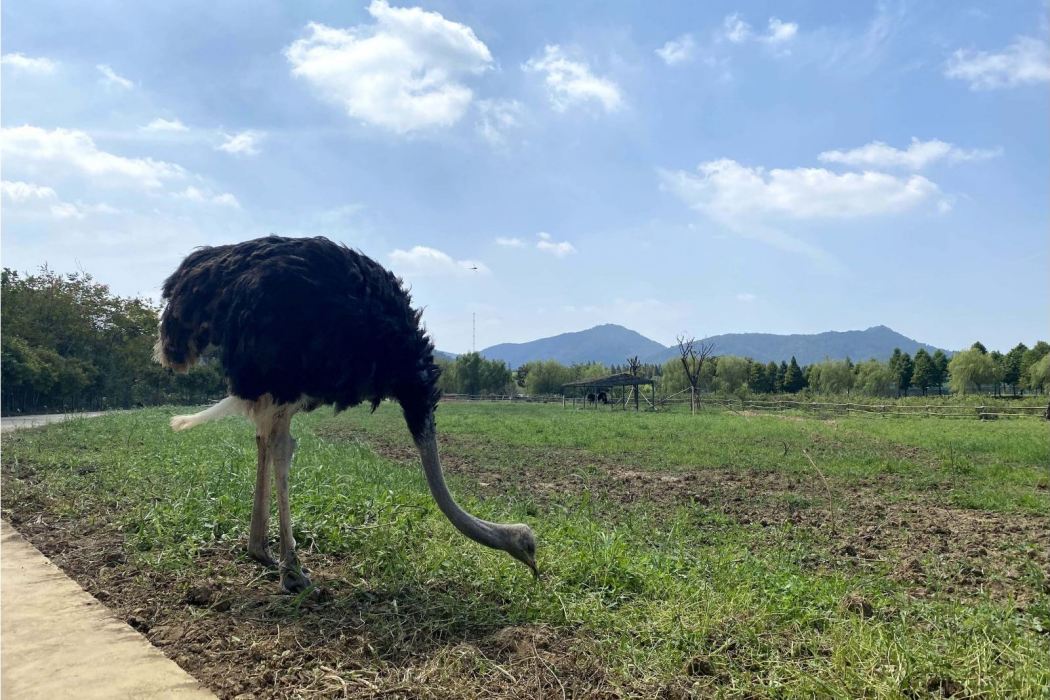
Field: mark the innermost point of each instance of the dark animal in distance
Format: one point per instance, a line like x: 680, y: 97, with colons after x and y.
x: 300, y: 323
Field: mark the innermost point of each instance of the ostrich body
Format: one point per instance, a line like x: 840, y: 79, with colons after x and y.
x: 300, y: 323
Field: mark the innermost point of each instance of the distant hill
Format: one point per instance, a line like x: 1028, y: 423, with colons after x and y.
x: 877, y: 342
x: 608, y: 344
x: 613, y: 344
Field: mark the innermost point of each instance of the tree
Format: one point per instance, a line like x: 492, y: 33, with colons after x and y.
x: 1039, y: 375
x: 970, y: 370
x: 693, y: 354
x: 520, y: 374
x: 979, y: 347
x: 940, y: 367
x: 69, y: 343
x: 758, y: 379
x: 546, y: 377
x: 794, y: 381
x: 1012, y: 367
x: 998, y: 370
x: 924, y: 373
x: 832, y: 376
x: 774, y: 383
x: 1033, y: 355
x: 902, y: 367
x: 731, y: 373
x: 875, y: 378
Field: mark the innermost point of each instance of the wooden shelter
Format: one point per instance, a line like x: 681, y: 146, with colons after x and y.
x: 599, y: 391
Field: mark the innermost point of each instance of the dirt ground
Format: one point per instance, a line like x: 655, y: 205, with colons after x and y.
x: 227, y: 626
x: 960, y: 552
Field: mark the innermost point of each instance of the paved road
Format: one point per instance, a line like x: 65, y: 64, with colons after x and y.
x: 8, y: 423
x: 59, y: 642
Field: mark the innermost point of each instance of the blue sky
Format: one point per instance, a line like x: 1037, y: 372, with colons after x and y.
x: 674, y: 167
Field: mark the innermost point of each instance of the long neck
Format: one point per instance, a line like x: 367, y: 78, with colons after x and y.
x: 481, y: 531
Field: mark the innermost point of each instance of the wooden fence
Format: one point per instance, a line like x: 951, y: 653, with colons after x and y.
x: 886, y: 409
x: 782, y: 405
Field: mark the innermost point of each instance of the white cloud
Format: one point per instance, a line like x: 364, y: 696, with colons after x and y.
x: 678, y: 50
x: 727, y: 190
x: 18, y: 192
x: 746, y: 297
x: 780, y: 32
x: 1026, y: 61
x: 74, y: 149
x: 165, y: 125
x: 424, y: 261
x: 404, y: 73
x: 195, y: 194
x: 28, y: 64
x: 243, y: 143
x: 110, y: 77
x: 38, y: 197
x: 916, y: 156
x: 736, y: 29
x: 558, y: 249
x: 510, y: 242
x: 496, y: 117
x: 571, y: 82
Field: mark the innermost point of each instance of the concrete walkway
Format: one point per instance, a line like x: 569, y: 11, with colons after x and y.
x: 59, y: 642
x: 9, y: 423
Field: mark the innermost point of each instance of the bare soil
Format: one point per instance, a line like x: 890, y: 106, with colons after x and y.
x: 864, y: 524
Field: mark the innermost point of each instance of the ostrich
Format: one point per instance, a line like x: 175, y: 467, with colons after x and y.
x: 300, y: 323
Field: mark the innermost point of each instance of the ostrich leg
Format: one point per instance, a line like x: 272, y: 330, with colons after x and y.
x: 258, y: 535
x: 282, y: 448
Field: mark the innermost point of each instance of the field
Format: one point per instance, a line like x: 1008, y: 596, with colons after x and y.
x: 722, y: 554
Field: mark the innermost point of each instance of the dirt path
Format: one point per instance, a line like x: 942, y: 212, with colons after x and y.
x: 59, y: 642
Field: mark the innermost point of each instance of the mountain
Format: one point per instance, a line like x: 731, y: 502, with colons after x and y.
x: 877, y: 342
x: 612, y: 344
x: 608, y: 344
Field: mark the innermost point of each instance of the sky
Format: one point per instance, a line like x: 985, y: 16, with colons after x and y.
x: 677, y: 168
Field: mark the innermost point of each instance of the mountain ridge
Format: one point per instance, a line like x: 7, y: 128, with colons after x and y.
x: 611, y: 343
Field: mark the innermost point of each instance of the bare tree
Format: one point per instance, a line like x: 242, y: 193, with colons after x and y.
x: 634, y: 365
x: 693, y: 354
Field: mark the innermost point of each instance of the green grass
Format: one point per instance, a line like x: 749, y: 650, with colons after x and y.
x: 642, y: 589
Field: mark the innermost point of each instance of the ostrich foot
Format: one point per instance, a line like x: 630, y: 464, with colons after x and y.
x: 262, y: 556
x: 293, y: 580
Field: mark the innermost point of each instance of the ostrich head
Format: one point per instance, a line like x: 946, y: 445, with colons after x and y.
x: 515, y: 539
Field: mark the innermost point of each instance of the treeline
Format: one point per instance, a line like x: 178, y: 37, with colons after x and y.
x: 976, y: 370
x: 69, y: 344
x: 471, y: 373
x: 971, y: 371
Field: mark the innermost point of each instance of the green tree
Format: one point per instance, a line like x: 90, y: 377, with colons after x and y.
x: 902, y: 367
x: 979, y: 347
x: 778, y: 377
x: 1012, y: 367
x: 758, y: 379
x: 794, y: 381
x: 875, y: 378
x: 969, y: 370
x: 924, y: 373
x: 731, y: 373
x: 940, y: 366
x: 831, y: 377
x: 1030, y: 357
x: 1039, y: 375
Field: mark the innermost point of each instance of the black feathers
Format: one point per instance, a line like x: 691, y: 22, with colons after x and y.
x: 301, y: 317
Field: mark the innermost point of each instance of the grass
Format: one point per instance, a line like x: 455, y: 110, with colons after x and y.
x: 645, y: 594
